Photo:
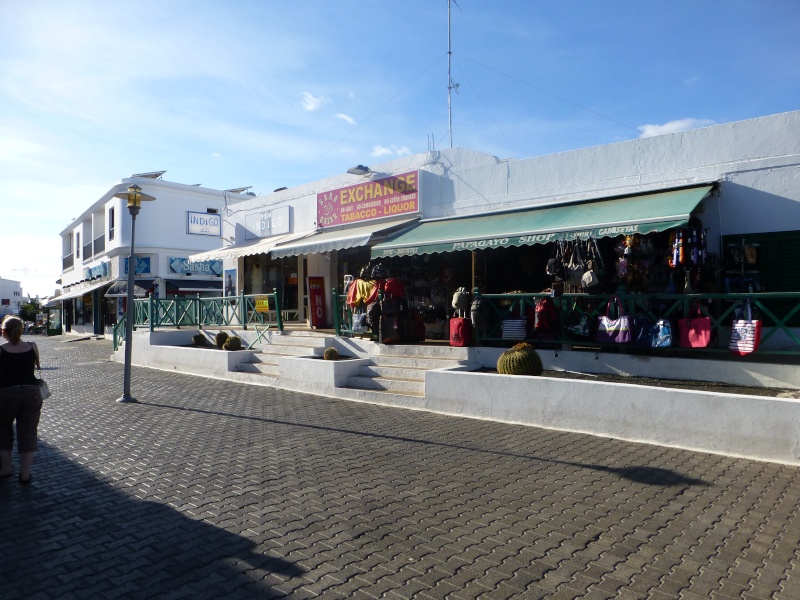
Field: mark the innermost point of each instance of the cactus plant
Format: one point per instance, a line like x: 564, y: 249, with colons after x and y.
x: 233, y: 342
x: 220, y: 338
x: 521, y: 359
x: 199, y: 340
x: 331, y: 354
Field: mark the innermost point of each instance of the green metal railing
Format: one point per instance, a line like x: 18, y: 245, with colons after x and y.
x: 230, y: 311
x: 778, y: 312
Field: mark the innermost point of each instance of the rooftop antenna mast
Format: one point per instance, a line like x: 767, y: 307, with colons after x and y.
x: 451, y: 85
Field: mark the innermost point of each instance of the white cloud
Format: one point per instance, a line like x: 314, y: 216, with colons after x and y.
x: 379, y: 151
x: 216, y: 155
x: 674, y: 126
x: 312, y: 103
x: 345, y: 118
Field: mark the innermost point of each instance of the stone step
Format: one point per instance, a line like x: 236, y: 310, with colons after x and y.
x: 294, y: 339
x: 401, y: 386
x: 414, y: 361
x: 254, y: 378
x: 262, y: 368
x: 407, y: 400
x: 427, y: 351
x: 393, y: 372
x: 291, y: 350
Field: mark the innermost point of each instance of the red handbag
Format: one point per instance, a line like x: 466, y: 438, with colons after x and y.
x: 695, y: 329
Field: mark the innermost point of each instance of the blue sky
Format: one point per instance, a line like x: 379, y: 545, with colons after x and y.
x: 276, y: 93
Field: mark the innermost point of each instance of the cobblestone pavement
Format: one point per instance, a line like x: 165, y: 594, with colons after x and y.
x: 214, y: 489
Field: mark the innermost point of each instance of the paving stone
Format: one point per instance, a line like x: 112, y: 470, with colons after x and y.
x: 210, y: 488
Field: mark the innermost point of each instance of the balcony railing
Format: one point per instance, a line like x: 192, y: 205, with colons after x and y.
x: 67, y: 262
x: 99, y: 245
x: 87, y: 251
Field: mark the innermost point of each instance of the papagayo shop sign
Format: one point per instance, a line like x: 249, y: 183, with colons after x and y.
x: 387, y: 197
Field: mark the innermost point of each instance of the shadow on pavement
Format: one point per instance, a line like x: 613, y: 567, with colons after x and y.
x: 656, y: 476
x: 71, y: 535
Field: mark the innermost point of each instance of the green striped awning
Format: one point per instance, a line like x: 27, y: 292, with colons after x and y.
x: 628, y: 215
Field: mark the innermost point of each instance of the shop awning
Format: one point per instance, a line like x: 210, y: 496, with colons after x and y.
x: 628, y: 215
x: 341, y: 239
x: 76, y: 293
x: 188, y: 285
x: 248, y: 248
x: 119, y: 289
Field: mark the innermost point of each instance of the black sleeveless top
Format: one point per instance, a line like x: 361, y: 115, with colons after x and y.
x: 17, y: 368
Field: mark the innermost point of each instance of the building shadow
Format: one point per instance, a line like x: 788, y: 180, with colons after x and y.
x: 655, y: 476
x: 71, y: 535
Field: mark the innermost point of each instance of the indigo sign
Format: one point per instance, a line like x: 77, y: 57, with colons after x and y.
x: 198, y: 223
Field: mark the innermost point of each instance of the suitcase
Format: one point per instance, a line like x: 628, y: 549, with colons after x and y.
x: 460, y: 331
x: 389, y: 329
x: 413, y: 329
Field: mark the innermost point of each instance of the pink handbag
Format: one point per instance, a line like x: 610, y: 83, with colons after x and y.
x: 695, y: 329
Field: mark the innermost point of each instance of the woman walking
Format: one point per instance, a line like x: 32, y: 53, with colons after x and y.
x: 20, y: 400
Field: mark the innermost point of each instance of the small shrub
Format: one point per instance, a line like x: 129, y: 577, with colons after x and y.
x: 521, y: 359
x: 220, y: 339
x: 331, y: 354
x: 200, y: 340
x: 234, y: 342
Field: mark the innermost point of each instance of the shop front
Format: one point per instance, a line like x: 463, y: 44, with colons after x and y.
x: 643, y: 244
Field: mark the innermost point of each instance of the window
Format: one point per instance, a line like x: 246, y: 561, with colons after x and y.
x: 110, y: 223
x: 212, y: 211
x: 77, y: 245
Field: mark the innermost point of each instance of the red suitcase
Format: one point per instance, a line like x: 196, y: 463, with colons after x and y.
x: 460, y: 331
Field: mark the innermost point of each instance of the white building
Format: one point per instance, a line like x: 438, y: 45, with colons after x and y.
x: 11, y: 298
x: 181, y: 221
x: 466, y: 218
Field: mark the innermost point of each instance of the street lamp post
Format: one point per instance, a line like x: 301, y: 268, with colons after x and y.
x: 134, y: 196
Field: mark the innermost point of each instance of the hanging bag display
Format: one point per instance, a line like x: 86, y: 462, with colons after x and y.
x: 555, y: 264
x: 575, y: 267
x: 613, y: 331
x: 694, y: 329
x: 577, y: 323
x: 745, y: 331
x: 662, y: 334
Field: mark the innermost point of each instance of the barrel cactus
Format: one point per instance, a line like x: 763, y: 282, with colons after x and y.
x: 220, y: 339
x: 199, y: 339
x: 331, y: 354
x: 520, y: 359
x: 233, y: 342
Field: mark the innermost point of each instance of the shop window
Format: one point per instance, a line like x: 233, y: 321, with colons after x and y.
x: 766, y: 262
x: 262, y: 275
x: 771, y: 257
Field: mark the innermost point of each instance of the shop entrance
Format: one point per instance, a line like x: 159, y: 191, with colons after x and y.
x: 263, y: 275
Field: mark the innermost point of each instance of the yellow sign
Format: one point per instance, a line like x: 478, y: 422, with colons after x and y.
x: 262, y: 304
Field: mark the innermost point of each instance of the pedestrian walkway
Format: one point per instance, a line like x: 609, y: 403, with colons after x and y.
x: 214, y: 489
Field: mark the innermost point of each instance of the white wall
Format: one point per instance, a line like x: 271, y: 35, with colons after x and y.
x: 757, y: 161
x: 11, y: 290
x: 161, y: 226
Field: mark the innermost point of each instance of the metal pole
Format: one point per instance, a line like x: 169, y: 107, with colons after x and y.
x: 130, y: 313
x: 449, y: 80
